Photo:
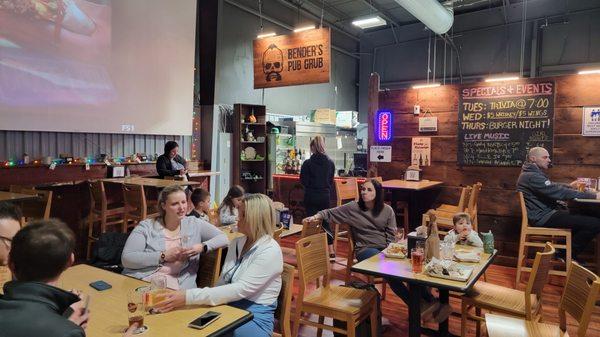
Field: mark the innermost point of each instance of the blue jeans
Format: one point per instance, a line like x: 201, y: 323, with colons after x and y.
x: 397, y: 287
x: 261, y: 324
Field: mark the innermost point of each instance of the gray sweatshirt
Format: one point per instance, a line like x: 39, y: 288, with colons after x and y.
x: 541, y: 194
x: 142, y: 250
x: 368, y: 231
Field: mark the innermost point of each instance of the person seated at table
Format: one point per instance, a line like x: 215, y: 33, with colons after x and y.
x: 32, y: 305
x: 228, y: 210
x: 170, y: 163
x: 541, y: 199
x: 373, y: 226
x: 463, y: 232
x: 158, y: 246
x: 10, y: 217
x: 251, y: 277
x: 201, y: 201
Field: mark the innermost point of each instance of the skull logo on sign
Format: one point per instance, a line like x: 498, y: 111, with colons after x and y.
x: 273, y: 63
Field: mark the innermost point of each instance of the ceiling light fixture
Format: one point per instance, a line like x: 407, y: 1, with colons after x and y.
x: 502, y: 79
x: 265, y: 35
x: 301, y: 29
x: 371, y: 22
x: 423, y: 86
x: 589, y: 71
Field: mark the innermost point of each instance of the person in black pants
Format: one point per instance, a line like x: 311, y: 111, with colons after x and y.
x: 541, y: 196
x: 316, y: 175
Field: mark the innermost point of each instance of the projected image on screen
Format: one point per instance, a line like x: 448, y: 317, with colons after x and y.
x: 97, y: 65
x: 54, y: 52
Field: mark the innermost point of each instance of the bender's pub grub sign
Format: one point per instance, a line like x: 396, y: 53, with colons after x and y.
x: 297, y: 58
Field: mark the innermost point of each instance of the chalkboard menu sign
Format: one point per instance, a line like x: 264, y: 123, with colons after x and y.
x: 498, y: 124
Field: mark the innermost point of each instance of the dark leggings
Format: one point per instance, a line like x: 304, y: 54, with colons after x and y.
x: 584, y: 228
x: 397, y: 287
x: 315, y: 202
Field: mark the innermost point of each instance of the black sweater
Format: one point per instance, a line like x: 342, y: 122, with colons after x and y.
x: 317, y: 173
x: 164, y: 167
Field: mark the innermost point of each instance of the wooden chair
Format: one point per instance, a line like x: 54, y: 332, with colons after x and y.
x: 462, y: 202
x: 535, y: 237
x: 277, y: 234
x: 346, y: 190
x: 36, y: 208
x: 342, y: 303
x: 102, y: 212
x: 578, y: 300
x: 283, y: 312
x: 213, y: 216
x: 444, y: 217
x: 512, y: 302
x: 308, y: 228
x: 210, y: 268
x: 350, y: 263
x: 136, y: 208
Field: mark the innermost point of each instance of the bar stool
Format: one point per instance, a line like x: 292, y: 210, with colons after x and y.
x: 103, y: 212
x: 535, y: 237
x: 136, y: 208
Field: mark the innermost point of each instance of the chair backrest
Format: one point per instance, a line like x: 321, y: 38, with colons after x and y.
x: 311, y: 228
x: 472, y: 204
x: 465, y: 194
x: 524, y: 219
x: 38, y: 208
x: 539, y: 277
x: 135, y: 199
x: 350, y: 259
x: 209, y: 269
x: 19, y: 188
x: 277, y: 234
x: 313, y: 263
x: 98, y: 194
x: 579, y: 297
x: 284, y: 300
x: 346, y: 190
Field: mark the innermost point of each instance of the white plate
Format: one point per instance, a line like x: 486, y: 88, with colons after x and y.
x: 464, y: 274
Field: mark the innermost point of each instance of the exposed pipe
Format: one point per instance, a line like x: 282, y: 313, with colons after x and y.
x: 284, y: 25
x: 435, y: 16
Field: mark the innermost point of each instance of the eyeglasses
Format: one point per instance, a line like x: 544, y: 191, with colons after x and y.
x: 7, y: 241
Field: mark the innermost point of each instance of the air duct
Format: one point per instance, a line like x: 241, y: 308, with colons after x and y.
x: 435, y: 16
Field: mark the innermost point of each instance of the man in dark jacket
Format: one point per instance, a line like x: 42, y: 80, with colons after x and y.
x: 541, y: 196
x: 31, y: 304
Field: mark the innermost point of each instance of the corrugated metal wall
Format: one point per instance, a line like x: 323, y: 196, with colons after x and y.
x: 41, y: 144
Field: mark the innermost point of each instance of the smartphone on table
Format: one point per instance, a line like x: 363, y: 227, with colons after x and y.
x: 100, y: 285
x: 204, y: 320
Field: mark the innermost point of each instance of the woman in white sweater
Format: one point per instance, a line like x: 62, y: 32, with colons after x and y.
x: 251, y: 277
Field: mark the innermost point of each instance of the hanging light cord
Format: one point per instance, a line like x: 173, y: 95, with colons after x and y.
x: 322, y: 12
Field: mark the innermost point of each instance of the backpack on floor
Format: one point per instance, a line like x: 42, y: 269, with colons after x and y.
x: 364, y: 328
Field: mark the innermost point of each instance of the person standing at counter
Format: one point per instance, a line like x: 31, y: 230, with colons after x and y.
x: 171, y: 163
x: 541, y: 196
x: 316, y: 175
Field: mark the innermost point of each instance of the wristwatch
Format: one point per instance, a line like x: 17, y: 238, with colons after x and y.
x: 161, y: 260
x: 204, y: 249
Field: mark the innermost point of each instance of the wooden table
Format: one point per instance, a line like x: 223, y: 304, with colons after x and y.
x: 294, y: 229
x: 401, y: 269
x: 504, y: 326
x: 9, y: 196
x: 153, y: 182
x: 108, y: 309
x: 417, y: 205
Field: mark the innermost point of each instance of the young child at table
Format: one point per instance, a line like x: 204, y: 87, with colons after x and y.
x: 201, y: 200
x: 463, y: 232
x: 228, y: 211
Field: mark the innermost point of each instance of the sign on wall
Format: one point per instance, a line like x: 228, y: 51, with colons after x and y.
x: 297, y: 58
x: 499, y: 123
x: 421, y: 151
x: 380, y: 154
x: 384, y: 126
x: 591, y: 121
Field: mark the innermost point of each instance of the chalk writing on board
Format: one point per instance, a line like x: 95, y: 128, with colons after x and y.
x: 497, y: 124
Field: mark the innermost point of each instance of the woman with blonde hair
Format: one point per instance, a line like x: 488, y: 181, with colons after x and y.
x: 170, y: 244
x: 251, y: 277
x: 316, y: 176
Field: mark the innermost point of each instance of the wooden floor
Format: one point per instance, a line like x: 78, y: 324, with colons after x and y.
x: 396, y: 312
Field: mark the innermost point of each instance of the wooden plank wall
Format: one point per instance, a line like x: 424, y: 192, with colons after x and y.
x: 574, y: 155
